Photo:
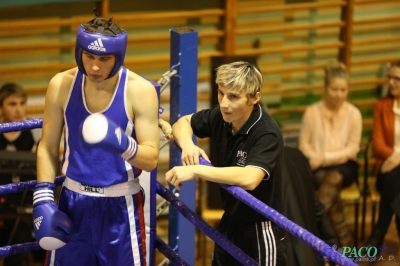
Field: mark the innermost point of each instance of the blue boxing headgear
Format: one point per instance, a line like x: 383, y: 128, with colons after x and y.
x: 98, y: 43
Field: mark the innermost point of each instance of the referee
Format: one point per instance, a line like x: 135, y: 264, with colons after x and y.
x: 248, y: 149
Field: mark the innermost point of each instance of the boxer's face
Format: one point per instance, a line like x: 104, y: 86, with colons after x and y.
x: 13, y: 109
x: 98, y: 67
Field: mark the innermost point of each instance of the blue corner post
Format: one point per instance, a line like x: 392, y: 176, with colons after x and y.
x: 183, y: 100
x: 151, y: 203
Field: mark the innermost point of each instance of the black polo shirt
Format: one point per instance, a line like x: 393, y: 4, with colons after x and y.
x: 258, y: 144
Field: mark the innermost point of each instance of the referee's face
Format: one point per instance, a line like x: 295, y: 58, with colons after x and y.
x: 235, y: 107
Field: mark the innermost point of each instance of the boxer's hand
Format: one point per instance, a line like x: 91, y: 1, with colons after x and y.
x: 166, y: 128
x: 98, y: 130
x: 52, y: 227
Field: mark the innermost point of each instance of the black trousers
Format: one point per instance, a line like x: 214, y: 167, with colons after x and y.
x: 349, y: 171
x: 389, y: 187
x: 262, y: 241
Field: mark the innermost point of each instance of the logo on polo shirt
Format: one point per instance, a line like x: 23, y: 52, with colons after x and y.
x: 241, y: 155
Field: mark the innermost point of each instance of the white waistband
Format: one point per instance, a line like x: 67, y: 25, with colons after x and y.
x: 118, y: 190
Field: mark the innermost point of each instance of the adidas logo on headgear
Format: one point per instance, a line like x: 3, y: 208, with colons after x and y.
x: 97, y: 45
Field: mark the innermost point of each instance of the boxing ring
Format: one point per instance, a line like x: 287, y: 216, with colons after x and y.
x: 182, y: 218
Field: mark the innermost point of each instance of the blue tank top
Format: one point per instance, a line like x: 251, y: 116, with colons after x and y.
x: 95, y: 166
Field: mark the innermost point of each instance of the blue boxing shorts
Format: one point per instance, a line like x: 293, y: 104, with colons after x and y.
x: 108, y: 223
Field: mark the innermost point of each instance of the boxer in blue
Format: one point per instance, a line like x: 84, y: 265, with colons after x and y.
x: 110, y: 119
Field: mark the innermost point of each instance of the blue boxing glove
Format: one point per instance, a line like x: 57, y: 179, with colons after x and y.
x: 52, y: 227
x: 99, y: 130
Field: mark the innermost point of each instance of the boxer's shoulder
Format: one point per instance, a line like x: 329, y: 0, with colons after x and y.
x: 138, y: 84
x: 140, y: 94
x: 60, y: 84
x: 66, y: 76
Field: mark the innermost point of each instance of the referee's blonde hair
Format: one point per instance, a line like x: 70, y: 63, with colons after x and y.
x: 239, y: 76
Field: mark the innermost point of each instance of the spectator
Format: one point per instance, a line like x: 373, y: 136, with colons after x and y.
x: 330, y: 138
x: 386, y: 145
x: 13, y: 109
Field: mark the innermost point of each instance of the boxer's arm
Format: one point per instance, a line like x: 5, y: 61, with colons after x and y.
x: 142, y: 97
x: 52, y: 227
x: 53, y: 121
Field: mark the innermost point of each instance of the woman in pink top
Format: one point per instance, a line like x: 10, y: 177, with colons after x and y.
x: 330, y: 133
x: 386, y: 144
x: 330, y: 139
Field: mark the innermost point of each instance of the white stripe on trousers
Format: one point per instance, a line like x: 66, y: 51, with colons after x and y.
x: 269, y: 242
x: 132, y: 225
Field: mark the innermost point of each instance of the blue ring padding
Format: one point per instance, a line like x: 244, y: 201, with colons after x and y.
x: 169, y: 253
x: 285, y: 223
x: 192, y: 217
x: 23, y: 186
x: 18, y: 248
x: 22, y: 125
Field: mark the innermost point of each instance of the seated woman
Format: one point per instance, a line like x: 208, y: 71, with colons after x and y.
x: 330, y: 138
x: 386, y: 145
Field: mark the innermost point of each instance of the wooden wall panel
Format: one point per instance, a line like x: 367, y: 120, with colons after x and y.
x: 292, y: 43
